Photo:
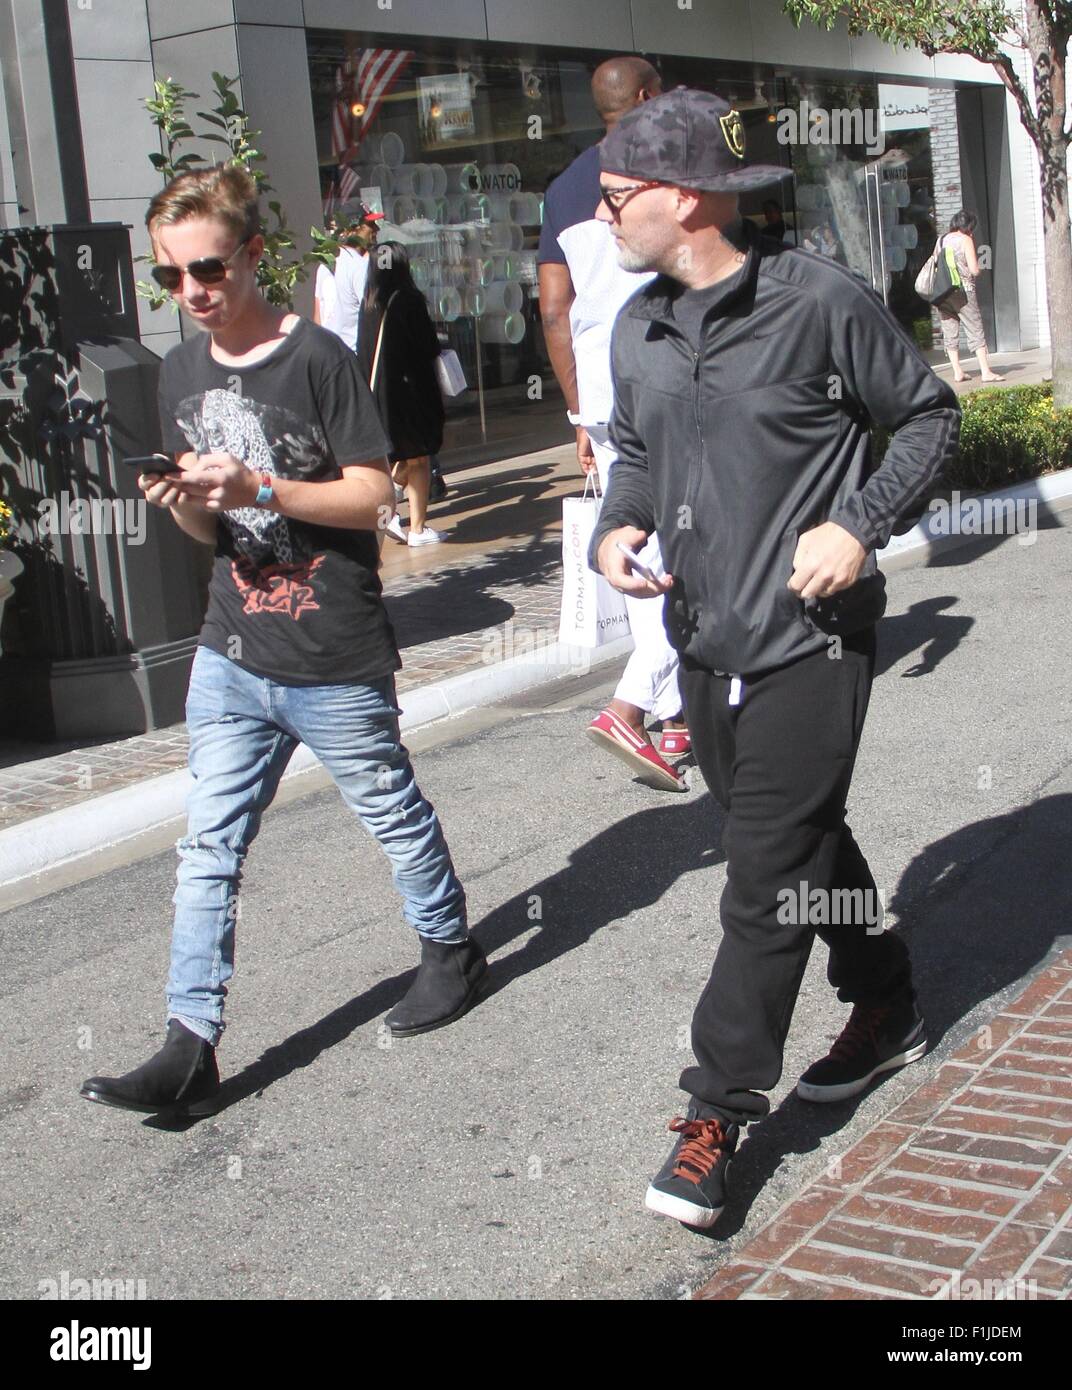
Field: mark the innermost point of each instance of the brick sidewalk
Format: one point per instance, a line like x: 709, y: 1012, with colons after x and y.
x: 964, y: 1187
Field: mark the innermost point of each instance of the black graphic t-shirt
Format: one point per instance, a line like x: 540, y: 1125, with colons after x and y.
x: 298, y: 603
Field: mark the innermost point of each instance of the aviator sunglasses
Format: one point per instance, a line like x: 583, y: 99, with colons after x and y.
x: 210, y: 270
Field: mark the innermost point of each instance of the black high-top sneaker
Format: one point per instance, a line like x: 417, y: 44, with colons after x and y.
x: 182, y: 1077
x: 451, y: 977
x: 877, y: 1038
x: 691, y: 1184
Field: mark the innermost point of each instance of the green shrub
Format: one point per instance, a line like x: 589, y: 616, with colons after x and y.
x: 1007, y: 434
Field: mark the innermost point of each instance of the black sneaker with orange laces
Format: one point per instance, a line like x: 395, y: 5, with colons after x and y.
x: 691, y: 1184
x: 877, y: 1038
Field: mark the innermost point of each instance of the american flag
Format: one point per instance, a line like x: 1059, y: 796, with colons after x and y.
x: 366, y: 77
x: 348, y: 183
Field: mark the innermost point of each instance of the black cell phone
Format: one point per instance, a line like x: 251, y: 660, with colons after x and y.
x: 154, y: 463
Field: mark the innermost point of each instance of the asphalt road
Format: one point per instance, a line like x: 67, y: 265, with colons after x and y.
x: 506, y: 1156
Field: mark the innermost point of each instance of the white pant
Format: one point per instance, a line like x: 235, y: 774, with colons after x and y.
x: 649, y: 680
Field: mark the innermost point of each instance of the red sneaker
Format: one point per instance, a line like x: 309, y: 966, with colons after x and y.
x: 615, y: 735
x: 675, y: 743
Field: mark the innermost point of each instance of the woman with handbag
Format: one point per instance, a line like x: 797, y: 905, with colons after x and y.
x: 397, y: 349
x: 961, y: 306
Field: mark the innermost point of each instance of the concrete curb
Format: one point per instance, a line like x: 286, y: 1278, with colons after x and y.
x: 58, y: 839
x: 944, y: 529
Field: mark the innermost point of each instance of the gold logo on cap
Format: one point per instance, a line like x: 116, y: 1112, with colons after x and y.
x: 733, y: 130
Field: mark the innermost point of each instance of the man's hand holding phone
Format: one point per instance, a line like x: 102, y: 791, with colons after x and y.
x: 619, y: 568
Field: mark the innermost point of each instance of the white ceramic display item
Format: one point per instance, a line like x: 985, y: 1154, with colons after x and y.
x: 404, y: 210
x: 525, y: 209
x: 448, y: 305
x: 504, y: 297
x: 505, y: 236
x: 462, y: 178
x: 385, y: 149
x: 502, y: 328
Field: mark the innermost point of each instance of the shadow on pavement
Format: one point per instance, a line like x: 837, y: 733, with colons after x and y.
x: 924, y: 625
x: 981, y: 908
x: 627, y: 867
x: 609, y: 876
x: 457, y: 600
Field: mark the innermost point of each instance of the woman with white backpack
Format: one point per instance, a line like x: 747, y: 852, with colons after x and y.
x: 961, y: 306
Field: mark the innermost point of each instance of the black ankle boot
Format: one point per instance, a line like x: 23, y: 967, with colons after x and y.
x: 449, y: 981
x: 181, y: 1076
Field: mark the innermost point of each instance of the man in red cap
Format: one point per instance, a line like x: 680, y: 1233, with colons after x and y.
x: 746, y: 378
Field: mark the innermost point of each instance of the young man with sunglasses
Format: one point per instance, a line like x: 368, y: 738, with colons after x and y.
x: 746, y: 378
x: 283, y: 471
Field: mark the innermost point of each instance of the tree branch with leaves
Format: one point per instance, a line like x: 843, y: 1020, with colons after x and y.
x: 991, y: 32
x: 279, y: 271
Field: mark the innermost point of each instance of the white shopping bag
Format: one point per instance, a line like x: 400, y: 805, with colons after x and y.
x: 593, y: 613
x: 449, y: 373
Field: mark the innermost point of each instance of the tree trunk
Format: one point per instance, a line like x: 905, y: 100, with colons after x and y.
x: 1057, y: 241
x: 1047, y: 43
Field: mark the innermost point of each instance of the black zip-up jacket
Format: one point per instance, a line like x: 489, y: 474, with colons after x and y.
x: 732, y: 452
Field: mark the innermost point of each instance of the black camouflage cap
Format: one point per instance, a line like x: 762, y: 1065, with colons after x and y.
x: 685, y: 137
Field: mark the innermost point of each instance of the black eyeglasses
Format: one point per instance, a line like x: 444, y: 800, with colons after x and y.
x: 210, y: 270
x: 616, y: 197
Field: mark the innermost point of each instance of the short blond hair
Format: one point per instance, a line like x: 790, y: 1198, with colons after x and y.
x: 225, y: 192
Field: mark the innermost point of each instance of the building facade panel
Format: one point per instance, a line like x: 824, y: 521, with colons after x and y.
x: 110, y: 99
x: 778, y: 41
x: 712, y: 28
x: 599, y: 24
x: 167, y: 19
x: 456, y: 19
x: 276, y: 94
x: 289, y: 12
x: 109, y: 29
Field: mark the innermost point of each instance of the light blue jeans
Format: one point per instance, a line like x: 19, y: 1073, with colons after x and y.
x: 243, y: 732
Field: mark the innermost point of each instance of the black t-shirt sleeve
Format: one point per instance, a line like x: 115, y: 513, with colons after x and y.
x: 348, y: 414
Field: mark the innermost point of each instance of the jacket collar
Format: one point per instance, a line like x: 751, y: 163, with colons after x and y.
x: 656, y: 300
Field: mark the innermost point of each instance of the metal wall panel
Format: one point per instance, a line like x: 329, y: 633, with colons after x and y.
x: 777, y: 41
x: 598, y: 24
x: 461, y: 19
x: 270, y: 12
x: 956, y: 68
x: 167, y: 18
x: 711, y: 29
x: 109, y: 29
x: 276, y: 93
x: 110, y: 96
x: 870, y: 54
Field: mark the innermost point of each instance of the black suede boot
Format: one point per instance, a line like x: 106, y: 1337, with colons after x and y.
x: 182, y: 1076
x: 449, y: 981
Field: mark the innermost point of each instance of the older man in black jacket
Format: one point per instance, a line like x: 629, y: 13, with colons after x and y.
x: 746, y: 378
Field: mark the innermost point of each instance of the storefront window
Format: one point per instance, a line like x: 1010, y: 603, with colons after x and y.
x: 456, y: 143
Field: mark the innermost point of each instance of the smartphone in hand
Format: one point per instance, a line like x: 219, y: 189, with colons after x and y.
x: 637, y: 564
x: 154, y: 463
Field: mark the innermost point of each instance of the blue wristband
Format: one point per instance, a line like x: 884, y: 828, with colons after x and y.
x: 264, y: 492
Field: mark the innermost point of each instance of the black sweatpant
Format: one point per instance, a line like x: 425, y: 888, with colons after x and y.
x: 780, y: 764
